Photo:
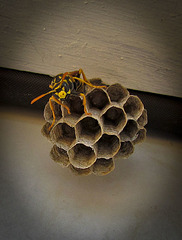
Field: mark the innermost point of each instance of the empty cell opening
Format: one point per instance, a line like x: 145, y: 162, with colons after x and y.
x: 126, y: 149
x: 114, y: 116
x: 63, y: 133
x: 97, y: 99
x: 48, y: 112
x: 107, y: 145
x: 80, y: 172
x: 88, y: 128
x: 97, y: 82
x: 45, y: 130
x: 76, y: 105
x: 141, y: 135
x: 117, y: 92
x: 59, y: 155
x: 82, y: 156
x: 142, y: 120
x: 133, y: 106
x: 103, y: 166
x: 129, y: 130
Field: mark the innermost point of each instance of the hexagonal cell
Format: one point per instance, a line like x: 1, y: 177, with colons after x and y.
x: 63, y: 134
x: 81, y: 156
x: 133, y: 107
x: 97, y: 82
x: 76, y: 105
x: 125, y: 150
x: 114, y: 118
x: 107, y: 146
x: 48, y: 112
x: 88, y: 130
x: 45, y: 130
x: 97, y: 99
x: 129, y: 131
x: 143, y: 119
x: 80, y: 172
x: 117, y: 93
x: 60, y: 156
x: 141, y: 135
x: 103, y: 166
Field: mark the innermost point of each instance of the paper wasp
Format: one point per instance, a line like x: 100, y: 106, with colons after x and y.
x: 63, y: 85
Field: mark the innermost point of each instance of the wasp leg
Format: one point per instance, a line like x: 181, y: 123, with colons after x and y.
x: 53, y: 113
x: 84, y: 80
x: 41, y: 96
x: 61, y: 80
x: 84, y: 104
x: 80, y: 71
x: 64, y: 75
x: 52, y: 109
x: 74, y: 73
x: 89, y: 83
x: 83, y: 74
x: 60, y: 103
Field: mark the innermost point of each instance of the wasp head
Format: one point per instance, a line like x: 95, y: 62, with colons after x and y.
x: 63, y: 92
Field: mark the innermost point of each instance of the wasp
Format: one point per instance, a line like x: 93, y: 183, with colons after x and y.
x: 63, y: 86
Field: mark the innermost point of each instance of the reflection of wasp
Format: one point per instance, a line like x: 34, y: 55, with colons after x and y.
x: 64, y: 85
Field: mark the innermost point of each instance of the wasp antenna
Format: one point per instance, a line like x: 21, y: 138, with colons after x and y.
x: 41, y: 96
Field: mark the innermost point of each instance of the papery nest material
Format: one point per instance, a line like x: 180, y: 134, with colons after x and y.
x: 90, y: 144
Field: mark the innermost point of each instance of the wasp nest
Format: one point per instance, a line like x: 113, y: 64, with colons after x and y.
x: 90, y: 143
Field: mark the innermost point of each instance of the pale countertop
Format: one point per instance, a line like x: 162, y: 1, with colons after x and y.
x: 140, y: 199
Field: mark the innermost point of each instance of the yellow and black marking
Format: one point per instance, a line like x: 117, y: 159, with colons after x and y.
x: 64, y: 85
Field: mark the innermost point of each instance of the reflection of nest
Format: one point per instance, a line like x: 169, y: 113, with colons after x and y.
x: 89, y: 143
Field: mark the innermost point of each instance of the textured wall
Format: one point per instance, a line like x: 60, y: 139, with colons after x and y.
x: 137, y: 42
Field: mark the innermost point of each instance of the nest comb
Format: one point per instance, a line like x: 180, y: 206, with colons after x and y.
x: 89, y: 144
